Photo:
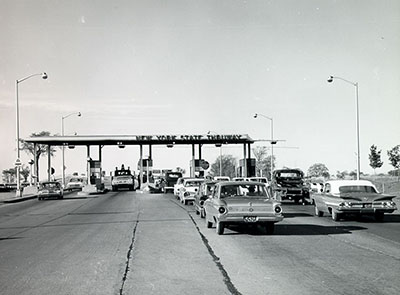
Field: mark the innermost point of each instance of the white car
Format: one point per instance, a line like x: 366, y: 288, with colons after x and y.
x: 352, y: 197
x: 75, y: 183
x: 178, y: 185
x: 189, y: 189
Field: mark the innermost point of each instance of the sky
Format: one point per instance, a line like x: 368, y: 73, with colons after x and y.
x: 189, y: 67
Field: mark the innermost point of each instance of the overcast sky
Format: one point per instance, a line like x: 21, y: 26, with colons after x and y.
x: 187, y: 67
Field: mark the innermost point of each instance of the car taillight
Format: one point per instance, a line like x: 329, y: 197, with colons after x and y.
x: 221, y: 210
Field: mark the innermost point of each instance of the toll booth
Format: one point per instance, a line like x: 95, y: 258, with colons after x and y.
x: 95, y: 174
x: 198, y: 167
x: 251, y: 167
x: 147, y: 167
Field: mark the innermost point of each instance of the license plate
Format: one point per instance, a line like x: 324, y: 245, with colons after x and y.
x: 250, y: 219
x: 367, y: 205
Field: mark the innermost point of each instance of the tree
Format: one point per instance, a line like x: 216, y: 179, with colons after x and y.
x: 394, y: 157
x: 228, y: 166
x: 9, y: 175
x: 375, y: 158
x: 25, y: 171
x: 341, y: 175
x: 318, y: 170
x: 263, y: 162
x: 41, y: 149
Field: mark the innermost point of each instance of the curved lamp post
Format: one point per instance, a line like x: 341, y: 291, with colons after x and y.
x: 18, y: 161
x: 355, y: 84
x: 272, y: 138
x: 63, y: 147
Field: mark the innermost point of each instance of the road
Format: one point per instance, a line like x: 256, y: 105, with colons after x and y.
x: 137, y: 243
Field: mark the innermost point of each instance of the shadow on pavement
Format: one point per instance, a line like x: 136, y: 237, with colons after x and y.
x: 294, y: 230
x: 297, y: 214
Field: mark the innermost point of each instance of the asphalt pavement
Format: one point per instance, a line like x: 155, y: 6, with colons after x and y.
x: 139, y: 243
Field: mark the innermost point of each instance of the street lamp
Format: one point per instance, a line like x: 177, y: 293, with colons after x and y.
x: 63, y: 147
x: 18, y: 161
x: 355, y: 84
x: 272, y: 139
x: 220, y: 153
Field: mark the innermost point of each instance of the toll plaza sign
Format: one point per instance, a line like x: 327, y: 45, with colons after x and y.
x: 193, y: 137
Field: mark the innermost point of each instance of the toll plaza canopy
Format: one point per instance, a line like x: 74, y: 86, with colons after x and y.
x: 141, y: 139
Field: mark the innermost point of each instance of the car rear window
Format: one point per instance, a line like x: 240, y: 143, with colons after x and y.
x: 357, y: 189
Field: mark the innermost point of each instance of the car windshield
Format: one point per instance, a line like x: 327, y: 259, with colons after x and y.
x: 357, y: 189
x: 244, y: 190
x: 50, y: 185
x: 76, y: 180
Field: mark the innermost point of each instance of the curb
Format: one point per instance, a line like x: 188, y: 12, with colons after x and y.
x: 17, y: 200
x: 25, y: 198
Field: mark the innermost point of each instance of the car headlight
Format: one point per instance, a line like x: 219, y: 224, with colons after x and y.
x: 278, y: 209
x: 201, y: 203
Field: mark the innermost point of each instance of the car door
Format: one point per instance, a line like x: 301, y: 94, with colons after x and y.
x: 210, y: 204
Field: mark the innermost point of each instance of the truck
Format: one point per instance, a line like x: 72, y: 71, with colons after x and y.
x: 169, y: 180
x: 288, y: 184
x: 123, y: 178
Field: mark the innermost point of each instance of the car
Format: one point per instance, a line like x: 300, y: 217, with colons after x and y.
x: 50, y: 189
x: 316, y: 187
x: 123, y: 178
x: 75, y: 183
x: 288, y: 184
x: 170, y: 179
x: 189, y: 188
x: 242, y: 202
x: 178, y: 185
x: 344, y: 197
x: 204, y: 192
x: 222, y: 178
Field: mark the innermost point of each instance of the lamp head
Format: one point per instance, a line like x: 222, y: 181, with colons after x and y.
x: 79, y: 114
x: 330, y: 79
x: 44, y: 76
x: 255, y: 115
x: 208, y: 132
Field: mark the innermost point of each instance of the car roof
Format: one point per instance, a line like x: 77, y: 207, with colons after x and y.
x: 335, y: 184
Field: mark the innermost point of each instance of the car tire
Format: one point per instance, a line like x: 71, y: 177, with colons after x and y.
x: 270, y: 228
x: 220, y: 228
x: 379, y: 216
x: 39, y: 198
x: 336, y: 216
x: 317, y: 212
x: 197, y: 212
x: 209, y: 224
